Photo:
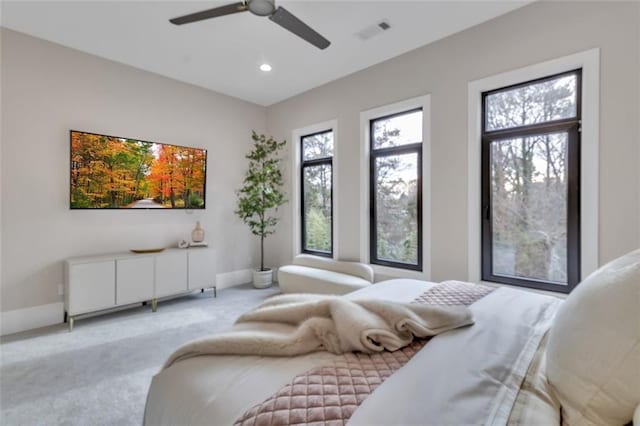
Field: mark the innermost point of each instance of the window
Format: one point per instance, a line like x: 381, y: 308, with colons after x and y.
x: 531, y: 183
x: 316, y: 173
x: 396, y: 190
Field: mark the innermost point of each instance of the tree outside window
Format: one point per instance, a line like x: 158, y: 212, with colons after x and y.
x: 530, y: 188
x: 317, y: 193
x: 396, y: 190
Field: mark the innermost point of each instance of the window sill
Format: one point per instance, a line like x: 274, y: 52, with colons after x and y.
x: 387, y: 272
x: 532, y: 290
x: 383, y: 273
x: 323, y: 254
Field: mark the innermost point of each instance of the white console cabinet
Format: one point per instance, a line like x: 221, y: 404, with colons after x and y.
x: 201, y: 268
x: 95, y: 283
x: 171, y: 273
x: 134, y: 279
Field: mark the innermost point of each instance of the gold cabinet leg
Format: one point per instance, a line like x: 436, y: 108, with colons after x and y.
x: 154, y: 305
x: 70, y: 321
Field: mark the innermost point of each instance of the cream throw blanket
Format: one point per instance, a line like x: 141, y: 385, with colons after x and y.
x: 297, y: 324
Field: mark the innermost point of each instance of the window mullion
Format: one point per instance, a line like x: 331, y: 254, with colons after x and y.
x: 397, y: 150
x: 533, y: 129
x: 317, y: 162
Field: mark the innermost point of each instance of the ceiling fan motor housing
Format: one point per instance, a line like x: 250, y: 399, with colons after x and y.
x: 262, y: 7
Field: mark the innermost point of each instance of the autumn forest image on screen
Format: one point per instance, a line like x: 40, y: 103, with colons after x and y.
x: 112, y: 173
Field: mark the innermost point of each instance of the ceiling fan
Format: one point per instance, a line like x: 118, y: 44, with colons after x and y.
x: 280, y: 16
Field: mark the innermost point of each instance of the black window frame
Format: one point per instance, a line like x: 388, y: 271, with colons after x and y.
x: 571, y: 126
x: 311, y: 163
x: 374, y: 154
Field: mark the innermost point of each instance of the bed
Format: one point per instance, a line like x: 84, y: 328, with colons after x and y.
x: 496, y: 371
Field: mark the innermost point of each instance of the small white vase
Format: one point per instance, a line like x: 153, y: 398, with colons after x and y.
x: 197, y: 235
x: 262, y: 279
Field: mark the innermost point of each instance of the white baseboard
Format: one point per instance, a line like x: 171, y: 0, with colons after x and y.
x: 234, y: 278
x: 44, y: 315
x: 29, y: 318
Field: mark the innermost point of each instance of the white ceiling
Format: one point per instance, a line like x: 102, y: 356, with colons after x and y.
x: 223, y: 54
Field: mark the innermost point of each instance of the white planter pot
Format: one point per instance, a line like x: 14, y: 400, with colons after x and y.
x: 262, y: 279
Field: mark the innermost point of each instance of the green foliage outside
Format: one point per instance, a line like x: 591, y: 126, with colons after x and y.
x: 317, y: 183
x: 396, y: 200
x: 261, y: 193
x: 318, y: 229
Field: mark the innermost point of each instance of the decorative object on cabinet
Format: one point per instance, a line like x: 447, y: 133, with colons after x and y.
x: 149, y: 250
x: 261, y: 195
x: 197, y: 235
x: 200, y: 244
x: 96, y: 283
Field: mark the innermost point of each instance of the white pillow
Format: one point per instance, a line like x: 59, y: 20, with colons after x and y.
x: 593, y: 356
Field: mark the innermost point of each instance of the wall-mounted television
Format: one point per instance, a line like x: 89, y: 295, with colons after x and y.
x: 110, y: 172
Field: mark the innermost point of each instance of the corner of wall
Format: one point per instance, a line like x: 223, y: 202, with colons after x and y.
x: 638, y: 108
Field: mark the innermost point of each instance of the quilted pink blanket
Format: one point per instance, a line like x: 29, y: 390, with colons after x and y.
x: 330, y: 394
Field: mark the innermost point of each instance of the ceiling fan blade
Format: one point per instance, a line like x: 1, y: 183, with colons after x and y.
x: 210, y: 13
x: 289, y: 22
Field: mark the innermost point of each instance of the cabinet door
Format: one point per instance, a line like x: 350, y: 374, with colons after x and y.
x: 92, y: 286
x: 171, y: 273
x: 134, y: 280
x: 202, y: 268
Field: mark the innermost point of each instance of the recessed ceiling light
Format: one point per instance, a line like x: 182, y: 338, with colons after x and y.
x: 265, y: 67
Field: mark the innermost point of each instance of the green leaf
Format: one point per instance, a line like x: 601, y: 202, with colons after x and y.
x: 262, y: 186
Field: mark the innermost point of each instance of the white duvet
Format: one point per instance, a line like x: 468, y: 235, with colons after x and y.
x: 465, y: 376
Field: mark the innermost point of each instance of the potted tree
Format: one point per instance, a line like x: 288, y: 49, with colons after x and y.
x: 261, y: 195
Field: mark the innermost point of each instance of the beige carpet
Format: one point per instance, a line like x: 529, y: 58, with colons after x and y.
x: 99, y: 374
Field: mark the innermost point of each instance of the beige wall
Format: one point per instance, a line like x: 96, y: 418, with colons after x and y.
x: 48, y: 89
x: 533, y: 34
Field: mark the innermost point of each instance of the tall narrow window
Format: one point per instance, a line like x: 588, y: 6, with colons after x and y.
x: 317, y: 193
x: 531, y: 183
x: 396, y: 190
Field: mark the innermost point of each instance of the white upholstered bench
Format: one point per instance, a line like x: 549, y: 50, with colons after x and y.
x: 314, y: 274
